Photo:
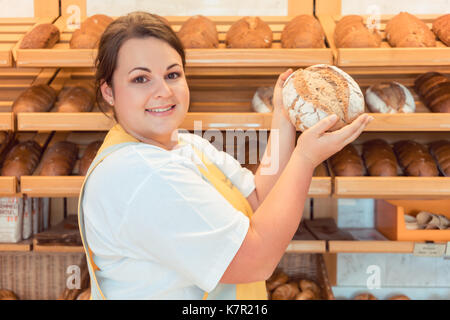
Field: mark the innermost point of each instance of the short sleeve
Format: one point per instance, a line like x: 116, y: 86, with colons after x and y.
x: 241, y: 177
x: 179, y: 220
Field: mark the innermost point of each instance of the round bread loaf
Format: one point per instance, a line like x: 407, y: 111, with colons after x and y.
x: 441, y: 27
x: 42, y: 36
x: 249, y: 32
x: 262, y: 100
x: 286, y: 291
x: 198, y: 32
x: 276, y: 279
x: 389, y: 97
x: 406, y: 30
x: 365, y: 296
x: 88, y: 36
x: 399, y: 297
x: 316, y: 92
x: 351, y: 32
x: 37, y: 98
x: 304, y: 31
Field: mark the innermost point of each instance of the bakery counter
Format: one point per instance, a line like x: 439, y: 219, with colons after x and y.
x: 62, y: 55
x: 385, y: 55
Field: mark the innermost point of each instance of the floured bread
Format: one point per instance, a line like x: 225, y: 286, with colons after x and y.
x: 262, y: 100
x: 390, y: 97
x: 316, y: 92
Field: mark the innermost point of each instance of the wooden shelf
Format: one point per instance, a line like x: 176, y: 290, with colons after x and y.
x: 410, y: 122
x: 55, y: 248
x: 58, y: 186
x: 320, y: 187
x: 6, y: 121
x: 385, y: 55
x: 23, y: 246
x: 307, y: 246
x: 391, y: 187
x: 8, y: 186
x: 55, y: 121
x: 370, y: 246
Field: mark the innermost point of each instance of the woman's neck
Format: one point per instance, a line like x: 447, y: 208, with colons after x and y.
x: 167, y: 142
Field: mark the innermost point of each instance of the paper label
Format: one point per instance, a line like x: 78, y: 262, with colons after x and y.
x: 429, y: 249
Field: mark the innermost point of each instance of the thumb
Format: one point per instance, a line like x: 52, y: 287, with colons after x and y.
x: 282, y: 78
x: 323, y: 125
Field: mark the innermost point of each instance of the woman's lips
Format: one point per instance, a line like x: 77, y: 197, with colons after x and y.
x: 155, y: 113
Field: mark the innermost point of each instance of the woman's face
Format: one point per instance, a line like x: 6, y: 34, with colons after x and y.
x: 148, y: 80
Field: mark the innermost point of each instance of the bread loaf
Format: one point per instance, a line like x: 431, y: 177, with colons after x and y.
x: 415, y: 159
x: 199, y: 32
x: 59, y: 159
x: 85, y: 295
x: 249, y: 32
x: 406, y: 30
x: 88, y: 36
x: 399, y: 297
x: 379, y: 158
x: 75, y: 98
x: 286, y: 291
x: 89, y: 154
x: 7, y: 295
x: 304, y: 31
x: 434, y: 90
x: 351, y: 32
x: 440, y: 150
x: 42, y: 36
x: 22, y: 159
x: 347, y: 162
x: 262, y: 100
x: 316, y: 92
x: 37, y: 98
x: 441, y: 27
x: 365, y: 296
x: 276, y: 279
x: 389, y: 97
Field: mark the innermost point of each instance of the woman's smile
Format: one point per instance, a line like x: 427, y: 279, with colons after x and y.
x: 161, y: 111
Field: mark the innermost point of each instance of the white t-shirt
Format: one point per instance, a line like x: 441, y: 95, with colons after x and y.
x: 157, y: 228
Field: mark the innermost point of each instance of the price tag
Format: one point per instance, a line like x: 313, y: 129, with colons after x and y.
x: 429, y: 249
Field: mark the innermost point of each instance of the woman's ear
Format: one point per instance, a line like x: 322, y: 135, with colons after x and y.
x: 107, y: 93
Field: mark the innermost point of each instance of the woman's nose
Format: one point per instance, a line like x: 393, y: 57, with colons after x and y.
x: 163, y: 90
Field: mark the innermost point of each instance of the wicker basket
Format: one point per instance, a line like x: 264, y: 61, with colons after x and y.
x: 310, y: 266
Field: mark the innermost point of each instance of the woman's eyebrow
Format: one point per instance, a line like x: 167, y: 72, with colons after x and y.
x: 173, y: 65
x: 149, y: 71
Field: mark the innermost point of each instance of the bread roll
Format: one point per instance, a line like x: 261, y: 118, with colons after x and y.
x: 440, y: 150
x: 389, y: 97
x: 306, y: 295
x: 59, y: 159
x: 379, y: 158
x: 276, y: 279
x: 199, y: 32
x: 22, y: 159
x: 75, y: 98
x: 88, y: 36
x: 286, y: 291
x: 85, y: 295
x: 415, y: 159
x: 304, y: 31
x: 441, y: 27
x: 262, y: 100
x: 400, y: 297
x: 89, y: 154
x: 37, y: 98
x: 406, y: 30
x: 42, y: 36
x: 347, y: 162
x: 7, y: 295
x: 249, y: 32
x: 351, y: 32
x: 309, y: 285
x: 365, y: 296
x: 316, y: 92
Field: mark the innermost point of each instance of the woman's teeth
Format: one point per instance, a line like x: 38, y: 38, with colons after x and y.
x: 160, y: 110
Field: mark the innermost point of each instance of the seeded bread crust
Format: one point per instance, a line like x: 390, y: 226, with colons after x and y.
x: 312, y: 94
x: 199, y: 32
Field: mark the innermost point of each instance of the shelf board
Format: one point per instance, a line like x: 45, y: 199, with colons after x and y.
x: 55, y: 248
x: 45, y: 186
x: 56, y: 121
x: 6, y: 121
x: 8, y: 186
x: 320, y: 187
x: 307, y: 246
x: 375, y: 246
x: 391, y: 187
x: 23, y: 246
x: 409, y: 122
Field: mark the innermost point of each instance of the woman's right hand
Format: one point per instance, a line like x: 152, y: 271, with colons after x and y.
x: 316, y: 145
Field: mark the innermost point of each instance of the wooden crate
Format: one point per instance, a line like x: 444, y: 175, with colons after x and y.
x: 400, y: 187
x: 62, y: 56
x: 385, y: 55
x: 391, y: 222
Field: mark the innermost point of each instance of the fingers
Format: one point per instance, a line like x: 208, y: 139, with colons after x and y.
x: 323, y: 125
x: 282, y: 78
x: 350, y: 132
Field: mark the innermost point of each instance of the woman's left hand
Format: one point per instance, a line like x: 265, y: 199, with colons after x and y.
x: 277, y: 101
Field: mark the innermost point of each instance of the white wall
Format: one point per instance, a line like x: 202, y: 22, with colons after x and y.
x: 16, y: 8
x: 395, y: 6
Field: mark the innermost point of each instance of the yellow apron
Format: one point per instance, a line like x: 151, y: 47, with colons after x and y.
x: 116, y: 137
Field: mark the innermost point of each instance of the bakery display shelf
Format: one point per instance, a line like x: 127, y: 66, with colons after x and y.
x: 60, y: 186
x: 370, y: 246
x: 23, y: 246
x: 385, y: 55
x: 62, y: 56
x: 306, y: 246
x: 11, y: 31
x: 56, y: 248
x: 8, y: 186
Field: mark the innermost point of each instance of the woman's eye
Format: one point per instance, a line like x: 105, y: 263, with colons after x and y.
x: 173, y: 75
x: 140, y: 79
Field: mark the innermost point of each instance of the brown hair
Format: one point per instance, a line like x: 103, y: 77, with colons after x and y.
x: 134, y: 25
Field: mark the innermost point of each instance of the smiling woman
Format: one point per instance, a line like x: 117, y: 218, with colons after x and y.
x: 159, y: 219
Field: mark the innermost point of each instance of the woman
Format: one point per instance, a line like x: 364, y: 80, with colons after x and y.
x: 159, y: 219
